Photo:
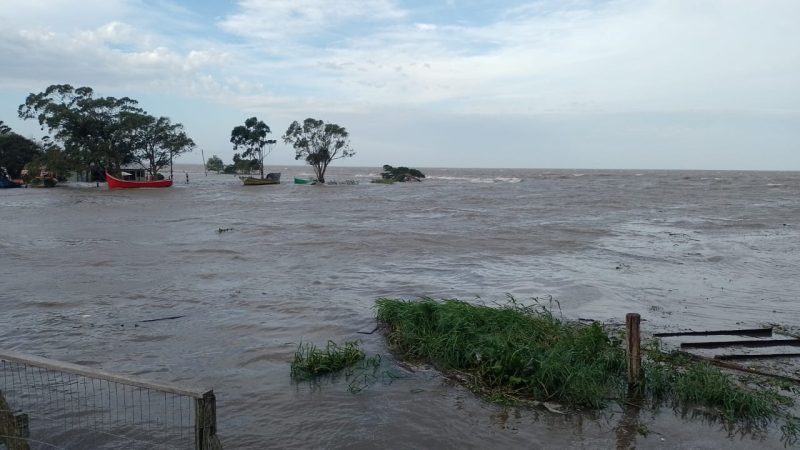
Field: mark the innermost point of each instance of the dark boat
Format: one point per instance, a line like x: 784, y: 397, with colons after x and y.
x: 116, y: 183
x: 271, y: 178
x: 6, y: 184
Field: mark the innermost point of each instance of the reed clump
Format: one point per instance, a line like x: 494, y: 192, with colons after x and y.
x: 511, y: 351
x: 310, y: 361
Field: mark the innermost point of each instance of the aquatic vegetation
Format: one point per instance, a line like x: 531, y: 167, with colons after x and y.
x: 746, y: 402
x: 514, y: 352
x: 510, y: 351
x: 360, y: 371
x: 310, y: 361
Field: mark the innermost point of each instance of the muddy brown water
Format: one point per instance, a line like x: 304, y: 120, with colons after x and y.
x: 687, y: 250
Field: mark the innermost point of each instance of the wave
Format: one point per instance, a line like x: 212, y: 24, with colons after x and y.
x: 477, y: 179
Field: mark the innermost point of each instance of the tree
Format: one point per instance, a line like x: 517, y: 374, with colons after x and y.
x: 155, y: 142
x: 215, y: 163
x: 91, y: 129
x: 51, y: 158
x: 318, y: 143
x: 16, y: 152
x: 401, y: 173
x: 252, y: 137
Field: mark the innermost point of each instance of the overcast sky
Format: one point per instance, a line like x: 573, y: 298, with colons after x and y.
x: 659, y: 84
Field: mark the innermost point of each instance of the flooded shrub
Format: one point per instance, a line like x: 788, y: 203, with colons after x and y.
x: 310, y: 362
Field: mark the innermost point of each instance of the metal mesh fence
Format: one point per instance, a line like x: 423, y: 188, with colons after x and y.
x: 51, y: 405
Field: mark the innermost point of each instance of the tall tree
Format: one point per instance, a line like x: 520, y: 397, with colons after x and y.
x: 215, y: 163
x: 252, y: 138
x: 91, y: 129
x: 319, y: 143
x: 51, y: 158
x: 15, y: 152
x: 155, y: 142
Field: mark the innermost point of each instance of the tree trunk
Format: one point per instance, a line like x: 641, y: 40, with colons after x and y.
x: 320, y: 173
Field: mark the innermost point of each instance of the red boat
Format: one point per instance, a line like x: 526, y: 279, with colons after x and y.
x: 116, y: 183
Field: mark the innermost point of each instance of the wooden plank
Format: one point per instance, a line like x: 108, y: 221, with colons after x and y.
x: 733, y: 366
x: 756, y: 356
x: 748, y: 343
x: 754, y: 332
x: 75, y: 369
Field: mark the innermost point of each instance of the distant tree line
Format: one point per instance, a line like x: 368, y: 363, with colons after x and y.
x: 98, y: 133
x: 103, y: 134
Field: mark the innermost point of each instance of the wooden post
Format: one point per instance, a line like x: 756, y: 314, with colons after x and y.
x: 13, y: 429
x: 206, y: 422
x: 634, y: 342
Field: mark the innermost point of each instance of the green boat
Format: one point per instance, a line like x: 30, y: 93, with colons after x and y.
x: 304, y: 181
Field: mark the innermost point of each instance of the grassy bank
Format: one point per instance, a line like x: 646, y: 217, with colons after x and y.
x: 513, y: 351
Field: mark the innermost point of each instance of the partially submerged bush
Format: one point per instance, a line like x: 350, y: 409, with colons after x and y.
x: 310, y: 361
x: 401, y: 174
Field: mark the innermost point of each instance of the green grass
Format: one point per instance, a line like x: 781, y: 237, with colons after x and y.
x: 512, y: 352
x: 311, y: 362
x: 509, y: 351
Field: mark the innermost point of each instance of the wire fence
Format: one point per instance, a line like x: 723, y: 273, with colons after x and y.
x: 47, y: 404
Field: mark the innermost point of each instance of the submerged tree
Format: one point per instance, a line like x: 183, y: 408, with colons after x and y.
x: 91, y: 129
x: 401, y: 174
x: 215, y: 163
x: 319, y: 143
x: 16, y: 151
x: 156, y: 142
x: 252, y: 138
x: 51, y: 159
x: 104, y: 132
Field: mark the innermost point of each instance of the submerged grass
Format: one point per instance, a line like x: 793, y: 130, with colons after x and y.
x: 310, y: 361
x: 510, y: 351
x: 746, y: 401
x: 514, y: 352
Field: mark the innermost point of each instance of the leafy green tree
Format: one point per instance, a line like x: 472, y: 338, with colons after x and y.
x: 155, y: 142
x: 252, y: 138
x: 215, y: 163
x: 16, y: 152
x: 51, y: 158
x: 91, y: 129
x: 319, y: 143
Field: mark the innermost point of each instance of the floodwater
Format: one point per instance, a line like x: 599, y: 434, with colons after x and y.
x: 83, y: 266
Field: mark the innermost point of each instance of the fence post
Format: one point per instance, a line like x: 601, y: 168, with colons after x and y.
x: 634, y: 342
x: 206, y: 422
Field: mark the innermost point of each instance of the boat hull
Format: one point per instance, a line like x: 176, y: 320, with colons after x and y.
x: 6, y: 184
x: 304, y: 181
x: 116, y: 183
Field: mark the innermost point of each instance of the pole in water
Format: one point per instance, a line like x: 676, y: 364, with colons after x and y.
x: 187, y: 177
x: 634, y: 343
